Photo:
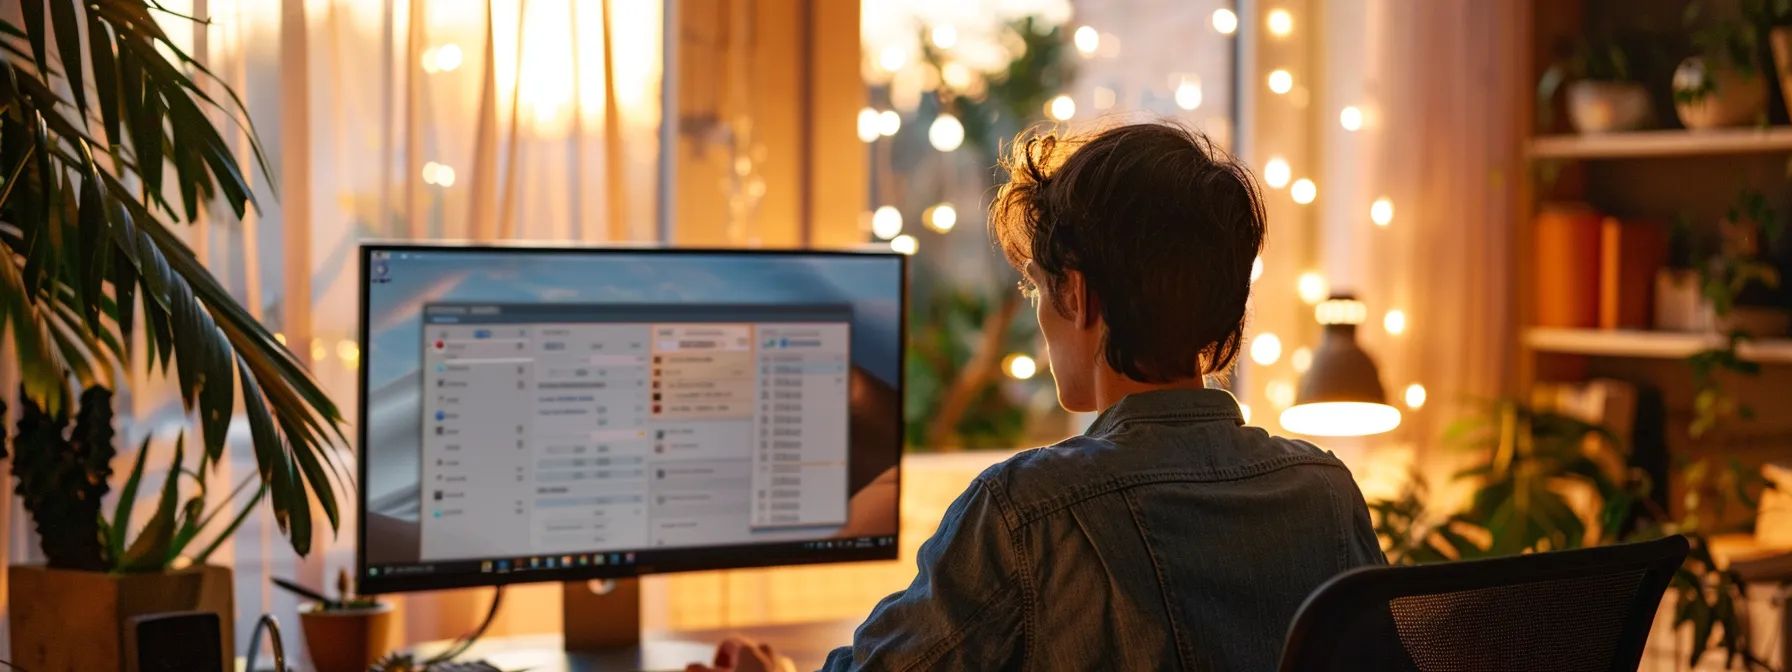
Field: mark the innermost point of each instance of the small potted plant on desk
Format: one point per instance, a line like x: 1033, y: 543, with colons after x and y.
x: 347, y: 634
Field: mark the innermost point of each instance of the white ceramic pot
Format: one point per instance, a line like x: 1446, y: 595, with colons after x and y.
x: 1720, y: 95
x: 1602, y: 107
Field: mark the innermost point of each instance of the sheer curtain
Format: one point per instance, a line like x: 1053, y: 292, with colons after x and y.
x: 399, y: 119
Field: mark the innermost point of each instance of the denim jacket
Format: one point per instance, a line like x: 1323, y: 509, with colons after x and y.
x: 1168, y: 536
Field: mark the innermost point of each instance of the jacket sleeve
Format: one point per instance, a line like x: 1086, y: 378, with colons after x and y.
x: 964, y: 609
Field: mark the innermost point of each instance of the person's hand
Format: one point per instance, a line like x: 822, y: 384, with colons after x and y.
x: 739, y: 654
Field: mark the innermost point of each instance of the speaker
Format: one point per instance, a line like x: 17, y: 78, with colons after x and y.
x: 174, y: 642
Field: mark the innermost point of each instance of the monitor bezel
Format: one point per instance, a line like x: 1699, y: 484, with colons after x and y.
x: 701, y: 558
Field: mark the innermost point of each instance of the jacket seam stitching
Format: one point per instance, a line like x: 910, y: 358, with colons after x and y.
x: 1057, y: 503
x: 1023, y: 564
x: 1163, y: 582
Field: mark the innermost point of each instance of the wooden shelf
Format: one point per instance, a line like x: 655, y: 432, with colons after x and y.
x: 1648, y: 344
x: 1647, y: 144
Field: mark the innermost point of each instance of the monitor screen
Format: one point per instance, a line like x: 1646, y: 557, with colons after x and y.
x: 552, y: 414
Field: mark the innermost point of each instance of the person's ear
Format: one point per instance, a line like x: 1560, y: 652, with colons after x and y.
x: 1083, y: 311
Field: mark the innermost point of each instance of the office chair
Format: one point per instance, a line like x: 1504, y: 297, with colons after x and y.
x: 1588, y: 609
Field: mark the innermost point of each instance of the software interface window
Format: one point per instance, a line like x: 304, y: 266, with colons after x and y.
x: 555, y: 428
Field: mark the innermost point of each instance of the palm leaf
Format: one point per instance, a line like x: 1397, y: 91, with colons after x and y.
x: 127, y: 498
x: 74, y: 237
x: 150, y: 551
x: 224, y: 534
x: 192, y: 526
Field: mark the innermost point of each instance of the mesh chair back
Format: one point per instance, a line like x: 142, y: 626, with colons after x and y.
x: 1587, y: 609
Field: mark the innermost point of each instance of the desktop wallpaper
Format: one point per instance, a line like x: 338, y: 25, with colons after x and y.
x: 400, y: 284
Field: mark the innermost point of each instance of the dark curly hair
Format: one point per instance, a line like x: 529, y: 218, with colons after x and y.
x: 1163, y: 226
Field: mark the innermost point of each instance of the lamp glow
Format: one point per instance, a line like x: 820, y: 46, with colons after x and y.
x: 1415, y: 396
x: 1020, y: 367
x: 1394, y: 322
x: 888, y: 123
x: 946, y: 133
x: 1280, y: 22
x: 1225, y: 21
x: 1061, y: 108
x: 1350, y: 118
x: 905, y: 244
x: 1276, y: 173
x: 1381, y: 211
x: 1304, y: 191
x: 942, y: 217
x: 1281, y: 82
x: 868, y: 125
x: 1266, y: 349
x: 944, y: 36
x: 1087, y: 40
x: 886, y: 222
x: 1341, y: 418
x: 1312, y: 288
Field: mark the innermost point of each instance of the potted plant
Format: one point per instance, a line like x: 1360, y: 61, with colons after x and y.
x: 69, y: 613
x: 1722, y: 85
x: 106, y: 143
x: 1601, y: 94
x: 348, y: 633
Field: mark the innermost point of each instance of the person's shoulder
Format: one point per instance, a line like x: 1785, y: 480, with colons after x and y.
x: 1030, y: 476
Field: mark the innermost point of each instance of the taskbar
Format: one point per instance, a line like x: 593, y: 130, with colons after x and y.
x: 607, y: 564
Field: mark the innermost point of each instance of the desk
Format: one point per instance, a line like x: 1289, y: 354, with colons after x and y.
x: 807, y: 644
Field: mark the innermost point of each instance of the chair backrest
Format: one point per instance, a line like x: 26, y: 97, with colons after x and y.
x: 1587, y: 609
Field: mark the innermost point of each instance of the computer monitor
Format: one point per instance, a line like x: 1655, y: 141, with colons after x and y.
x: 562, y: 414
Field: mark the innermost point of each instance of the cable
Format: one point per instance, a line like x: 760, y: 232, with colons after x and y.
x: 466, y: 641
x: 272, y: 627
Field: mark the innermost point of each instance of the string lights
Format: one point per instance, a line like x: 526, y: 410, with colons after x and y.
x: 1276, y: 173
x: 1280, y: 81
x: 1280, y: 22
x: 1266, y: 349
x: 1350, y: 118
x: 1225, y: 21
x: 1303, y: 191
x: 1382, y: 211
x: 946, y: 133
x: 886, y: 222
x: 1087, y: 40
x: 1061, y: 108
x: 868, y: 125
x: 941, y: 217
x: 905, y: 244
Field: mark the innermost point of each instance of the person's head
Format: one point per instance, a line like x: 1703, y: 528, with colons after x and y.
x: 1139, y: 241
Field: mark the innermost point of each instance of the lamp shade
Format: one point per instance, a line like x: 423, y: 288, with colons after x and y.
x: 1341, y: 394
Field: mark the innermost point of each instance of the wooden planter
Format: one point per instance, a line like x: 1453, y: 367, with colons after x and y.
x: 64, y: 620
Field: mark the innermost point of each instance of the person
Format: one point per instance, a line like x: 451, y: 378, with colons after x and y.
x: 1169, y: 534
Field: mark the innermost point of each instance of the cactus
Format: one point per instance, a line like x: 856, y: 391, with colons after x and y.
x: 62, y: 477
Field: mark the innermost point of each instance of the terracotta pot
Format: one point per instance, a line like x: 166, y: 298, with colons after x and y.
x: 348, y: 640
x: 1734, y: 99
x: 71, y: 620
x: 1781, y: 38
x: 1601, y: 107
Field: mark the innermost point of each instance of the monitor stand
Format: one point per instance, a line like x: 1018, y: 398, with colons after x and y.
x: 602, y: 624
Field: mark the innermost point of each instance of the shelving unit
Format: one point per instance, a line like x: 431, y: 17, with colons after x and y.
x: 1648, y: 344
x: 1662, y: 143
